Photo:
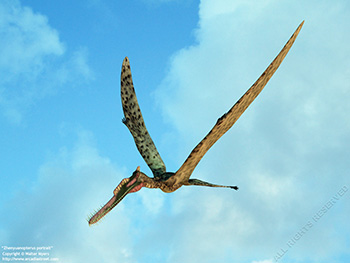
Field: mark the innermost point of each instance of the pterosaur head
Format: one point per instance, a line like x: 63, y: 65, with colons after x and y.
x: 128, y: 185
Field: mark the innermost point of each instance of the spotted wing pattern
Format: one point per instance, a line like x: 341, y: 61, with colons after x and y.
x: 224, y: 123
x: 134, y: 121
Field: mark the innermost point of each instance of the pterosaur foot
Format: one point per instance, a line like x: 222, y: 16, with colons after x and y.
x: 203, y: 183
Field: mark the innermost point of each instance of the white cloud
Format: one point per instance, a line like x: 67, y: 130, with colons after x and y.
x: 33, y: 60
x: 52, y: 211
x: 81, y: 64
x: 27, y: 40
x: 264, y: 261
x: 152, y: 200
x: 287, y: 152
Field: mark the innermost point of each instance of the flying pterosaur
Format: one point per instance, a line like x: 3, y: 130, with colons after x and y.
x: 169, y: 182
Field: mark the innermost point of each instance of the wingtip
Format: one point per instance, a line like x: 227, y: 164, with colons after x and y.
x: 300, y: 26
x: 126, y: 61
x: 125, y: 66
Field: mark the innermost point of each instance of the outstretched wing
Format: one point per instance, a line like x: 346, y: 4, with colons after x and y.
x: 134, y: 121
x: 227, y: 120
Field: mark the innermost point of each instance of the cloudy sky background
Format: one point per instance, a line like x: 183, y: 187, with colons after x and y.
x: 64, y: 147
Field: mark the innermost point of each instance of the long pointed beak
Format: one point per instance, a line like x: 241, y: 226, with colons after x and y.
x: 127, y: 185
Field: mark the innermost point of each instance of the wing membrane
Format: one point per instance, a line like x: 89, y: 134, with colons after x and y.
x: 224, y: 123
x: 135, y: 123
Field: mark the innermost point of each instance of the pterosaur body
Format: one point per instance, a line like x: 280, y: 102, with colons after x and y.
x: 166, y: 181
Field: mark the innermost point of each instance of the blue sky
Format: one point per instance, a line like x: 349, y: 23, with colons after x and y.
x: 64, y: 147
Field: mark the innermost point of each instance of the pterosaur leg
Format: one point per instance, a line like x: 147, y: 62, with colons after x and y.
x: 203, y: 183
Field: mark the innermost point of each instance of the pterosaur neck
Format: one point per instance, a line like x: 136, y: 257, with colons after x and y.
x: 158, y: 182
